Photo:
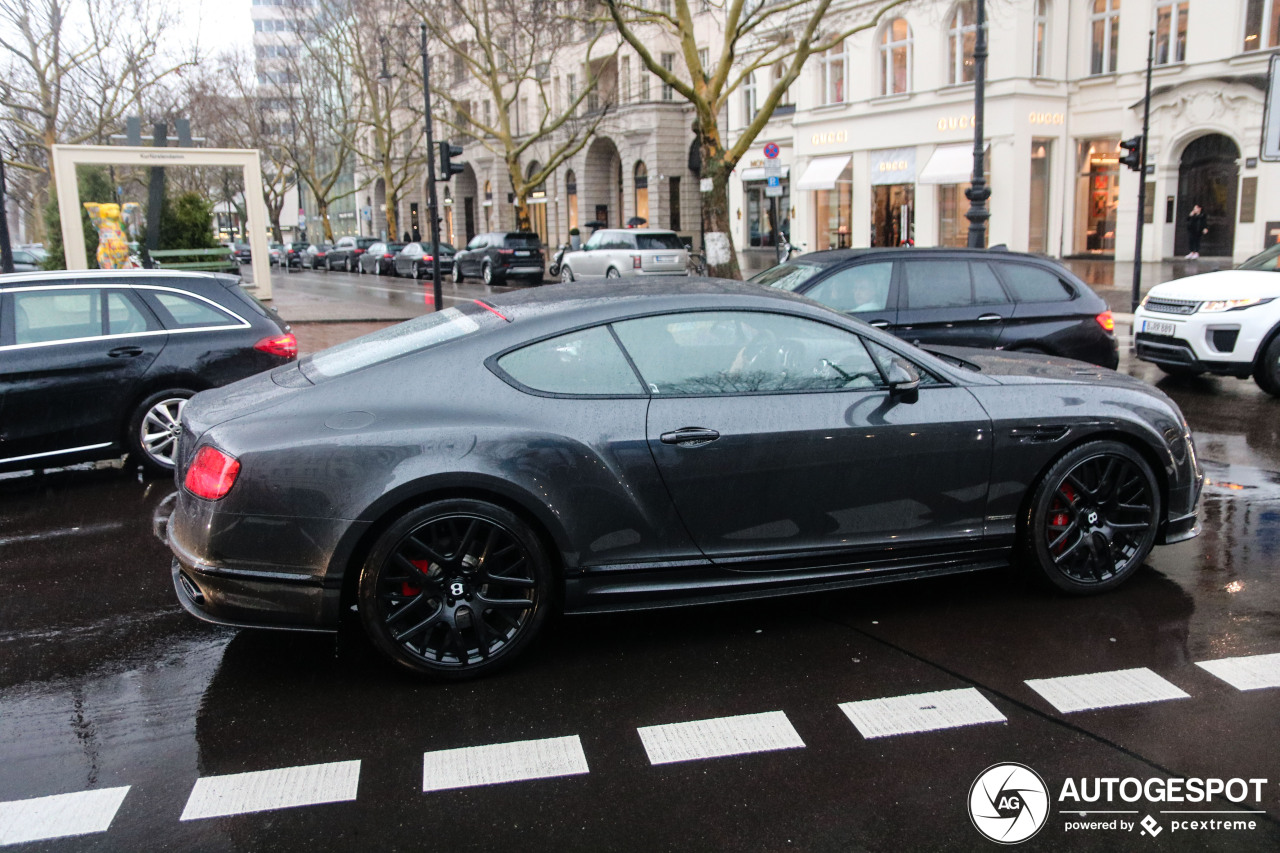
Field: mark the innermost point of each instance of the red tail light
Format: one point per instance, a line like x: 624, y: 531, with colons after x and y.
x: 635, y: 262
x: 1106, y: 321
x: 359, y: 251
x: 212, y: 473
x: 428, y: 258
x: 285, y: 346
x: 506, y: 251
x: 388, y: 257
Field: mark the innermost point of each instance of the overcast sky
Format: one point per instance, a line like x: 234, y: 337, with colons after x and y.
x: 221, y: 25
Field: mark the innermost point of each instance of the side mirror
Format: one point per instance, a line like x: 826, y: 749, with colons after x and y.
x: 904, y: 381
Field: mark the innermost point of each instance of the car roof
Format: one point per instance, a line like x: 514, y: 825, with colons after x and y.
x: 68, y: 277
x: 658, y: 294
x: 826, y: 257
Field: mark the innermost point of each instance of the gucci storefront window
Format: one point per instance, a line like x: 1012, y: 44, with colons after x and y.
x: 1097, y: 195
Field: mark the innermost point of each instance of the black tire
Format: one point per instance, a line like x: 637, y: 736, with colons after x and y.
x: 328, y: 265
x: 612, y: 273
x: 1267, y: 371
x: 455, y: 273
x: 486, y: 273
x: 153, y: 430
x: 421, y: 586
x: 346, y: 264
x: 1092, y: 518
x: 566, y: 275
x: 417, y: 271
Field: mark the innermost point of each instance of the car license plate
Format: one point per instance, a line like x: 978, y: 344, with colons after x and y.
x: 664, y: 259
x: 1158, y: 327
x: 522, y: 254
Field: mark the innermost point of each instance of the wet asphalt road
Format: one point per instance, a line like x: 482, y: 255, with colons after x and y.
x: 106, y: 683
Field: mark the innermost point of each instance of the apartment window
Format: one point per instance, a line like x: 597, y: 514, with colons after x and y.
x: 1171, y: 31
x: 780, y: 71
x: 669, y: 64
x: 644, y: 84
x: 571, y: 94
x: 459, y: 68
x: 555, y: 95
x: 895, y: 57
x: 624, y: 83
x: 488, y: 115
x: 750, y: 106
x: 1261, y: 24
x: 962, y: 36
x: 704, y: 59
x: 1104, y: 25
x: 831, y: 71
x: 1041, y: 44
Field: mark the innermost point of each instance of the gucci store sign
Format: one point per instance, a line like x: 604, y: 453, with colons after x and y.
x: 893, y: 166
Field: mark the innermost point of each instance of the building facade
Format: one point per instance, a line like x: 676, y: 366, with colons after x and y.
x: 878, y: 148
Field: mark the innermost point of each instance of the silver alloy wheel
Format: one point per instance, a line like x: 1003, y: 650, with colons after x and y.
x: 486, y: 273
x: 566, y: 275
x: 612, y: 273
x: 161, y: 428
x: 346, y: 265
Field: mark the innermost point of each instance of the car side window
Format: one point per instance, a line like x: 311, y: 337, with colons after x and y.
x: 477, y: 242
x: 583, y: 362
x: 864, y: 287
x: 180, y: 311
x: 125, y: 316
x: 986, y: 287
x: 41, y: 316
x: 1034, y: 284
x: 949, y: 284
x: 741, y: 352
x: 595, y: 241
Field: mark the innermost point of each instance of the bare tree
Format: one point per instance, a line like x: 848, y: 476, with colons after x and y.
x: 503, y: 50
x: 758, y: 34
x: 72, y: 70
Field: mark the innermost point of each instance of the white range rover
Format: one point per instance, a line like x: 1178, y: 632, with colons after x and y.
x: 1225, y: 322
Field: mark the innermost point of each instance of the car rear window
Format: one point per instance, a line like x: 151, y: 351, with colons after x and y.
x: 180, y: 311
x: 386, y: 344
x: 364, y: 242
x: 659, y: 241
x: 1034, y: 284
x: 523, y: 241
x: 586, y: 362
x: 787, y: 276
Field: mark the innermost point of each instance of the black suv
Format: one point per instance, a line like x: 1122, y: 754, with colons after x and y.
x: 346, y: 253
x: 499, y: 255
x: 94, y: 364
x: 959, y: 297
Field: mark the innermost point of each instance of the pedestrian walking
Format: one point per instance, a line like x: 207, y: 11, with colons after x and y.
x: 1197, y: 227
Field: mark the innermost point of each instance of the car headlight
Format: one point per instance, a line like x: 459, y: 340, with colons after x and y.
x: 1219, y: 305
x: 1143, y: 303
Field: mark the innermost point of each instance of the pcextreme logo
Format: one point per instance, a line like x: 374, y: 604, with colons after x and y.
x: 1008, y: 803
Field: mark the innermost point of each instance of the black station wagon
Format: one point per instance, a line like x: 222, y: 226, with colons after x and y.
x: 986, y: 298
x: 94, y: 364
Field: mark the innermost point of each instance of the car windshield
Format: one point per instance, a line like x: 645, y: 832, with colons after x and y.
x: 1268, y: 259
x: 364, y: 242
x: 392, y: 342
x: 522, y: 241
x: 787, y: 276
x: 658, y: 241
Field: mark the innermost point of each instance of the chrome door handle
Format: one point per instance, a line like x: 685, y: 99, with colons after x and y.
x: 879, y: 324
x: 990, y: 318
x: 689, y: 436
x: 125, y: 352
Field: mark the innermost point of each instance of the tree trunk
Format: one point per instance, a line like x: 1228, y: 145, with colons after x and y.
x: 322, y: 208
x: 722, y: 260
x: 523, y: 221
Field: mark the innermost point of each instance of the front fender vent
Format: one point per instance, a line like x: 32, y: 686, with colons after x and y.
x: 1040, y: 434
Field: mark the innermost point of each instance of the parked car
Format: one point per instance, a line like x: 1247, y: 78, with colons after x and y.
x: 499, y: 255
x: 29, y: 260
x: 380, y: 258
x: 316, y: 256
x: 1226, y: 323
x: 414, y: 260
x: 95, y: 364
x: 678, y: 442
x: 345, y: 254
x: 987, y: 298
x: 291, y: 253
x: 626, y: 252
x: 242, y: 252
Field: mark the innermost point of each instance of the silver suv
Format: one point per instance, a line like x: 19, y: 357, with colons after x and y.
x: 618, y: 253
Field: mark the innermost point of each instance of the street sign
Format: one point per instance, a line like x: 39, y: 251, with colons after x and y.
x: 771, y: 151
x: 775, y: 180
x: 773, y: 187
x: 1270, y: 151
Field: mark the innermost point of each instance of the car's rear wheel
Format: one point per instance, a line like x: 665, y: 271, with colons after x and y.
x: 486, y: 273
x: 346, y: 264
x: 455, y: 589
x: 1093, y: 517
x: 155, y: 427
x: 417, y: 270
x: 1267, y: 371
x: 566, y: 275
x: 612, y: 273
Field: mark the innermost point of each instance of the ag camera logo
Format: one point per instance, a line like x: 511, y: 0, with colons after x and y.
x: 1008, y: 803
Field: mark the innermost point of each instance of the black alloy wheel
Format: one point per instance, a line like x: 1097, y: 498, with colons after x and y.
x: 1093, y: 518
x: 455, y: 589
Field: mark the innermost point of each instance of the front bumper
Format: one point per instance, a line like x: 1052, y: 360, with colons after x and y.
x: 1217, y: 343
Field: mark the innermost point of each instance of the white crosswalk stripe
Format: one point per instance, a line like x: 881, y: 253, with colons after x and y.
x: 264, y: 790
x: 1074, y: 693
x: 503, y: 762
x: 921, y: 712
x: 60, y: 815
x: 1253, y: 672
x: 719, y: 737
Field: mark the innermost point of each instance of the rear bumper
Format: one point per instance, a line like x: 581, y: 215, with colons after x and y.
x: 253, y: 602
x: 1179, y: 530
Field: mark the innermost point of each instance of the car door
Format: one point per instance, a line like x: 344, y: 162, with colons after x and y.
x: 1043, y: 306
x: 70, y: 361
x: 405, y: 258
x: 777, y: 434
x: 589, y: 263
x: 468, y: 259
x: 864, y: 290
x: 951, y: 302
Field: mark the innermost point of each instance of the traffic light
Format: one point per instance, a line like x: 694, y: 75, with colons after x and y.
x: 1133, y: 159
x: 448, y: 168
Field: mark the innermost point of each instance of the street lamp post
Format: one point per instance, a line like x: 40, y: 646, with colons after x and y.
x: 978, y: 191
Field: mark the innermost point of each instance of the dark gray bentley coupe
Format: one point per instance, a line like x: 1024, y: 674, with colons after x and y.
x: 457, y: 476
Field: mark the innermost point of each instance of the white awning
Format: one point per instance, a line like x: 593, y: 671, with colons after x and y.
x: 822, y: 173
x: 949, y: 164
x: 756, y: 173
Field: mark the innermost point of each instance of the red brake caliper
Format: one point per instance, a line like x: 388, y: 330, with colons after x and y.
x: 407, y: 589
x: 1059, y: 518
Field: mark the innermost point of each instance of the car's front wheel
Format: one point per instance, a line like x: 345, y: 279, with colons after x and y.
x: 1267, y: 371
x: 346, y: 264
x: 566, y: 275
x: 1093, y: 516
x: 455, y: 589
x: 486, y: 273
x: 154, y: 429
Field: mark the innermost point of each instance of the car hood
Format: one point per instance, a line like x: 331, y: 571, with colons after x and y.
x: 1224, y: 284
x: 1024, y: 368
